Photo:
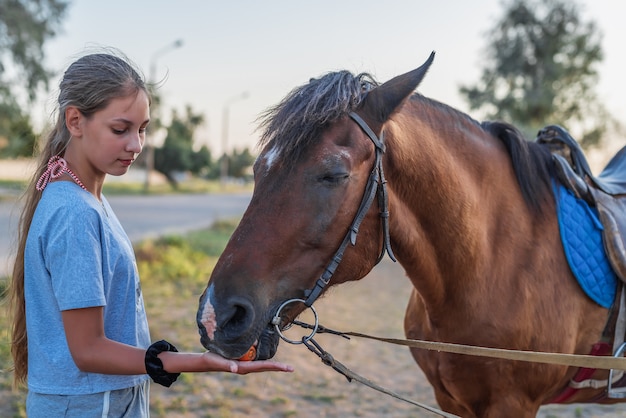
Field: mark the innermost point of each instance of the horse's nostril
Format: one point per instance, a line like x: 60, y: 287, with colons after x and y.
x: 237, y: 319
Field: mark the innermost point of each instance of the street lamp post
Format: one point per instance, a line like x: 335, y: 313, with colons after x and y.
x: 225, y: 123
x: 149, y: 145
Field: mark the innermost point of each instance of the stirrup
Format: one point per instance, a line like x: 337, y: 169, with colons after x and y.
x: 617, y: 393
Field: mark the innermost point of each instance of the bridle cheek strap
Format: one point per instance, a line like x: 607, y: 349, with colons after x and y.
x: 376, y: 185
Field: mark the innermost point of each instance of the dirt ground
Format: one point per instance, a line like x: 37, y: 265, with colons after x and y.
x: 375, y: 305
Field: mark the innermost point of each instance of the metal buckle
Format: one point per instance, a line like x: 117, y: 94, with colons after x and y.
x: 617, y: 393
x: 276, y: 322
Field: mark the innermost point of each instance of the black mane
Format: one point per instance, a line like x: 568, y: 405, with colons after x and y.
x: 296, y: 121
x: 532, y: 163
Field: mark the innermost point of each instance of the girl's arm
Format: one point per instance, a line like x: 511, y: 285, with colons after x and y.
x: 93, y: 352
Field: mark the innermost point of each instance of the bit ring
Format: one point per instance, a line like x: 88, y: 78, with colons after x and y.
x: 276, y: 322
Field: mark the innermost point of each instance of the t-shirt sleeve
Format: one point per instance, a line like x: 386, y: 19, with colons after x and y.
x: 73, y: 255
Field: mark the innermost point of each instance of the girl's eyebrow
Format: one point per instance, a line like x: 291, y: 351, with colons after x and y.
x: 129, y: 122
x: 123, y: 120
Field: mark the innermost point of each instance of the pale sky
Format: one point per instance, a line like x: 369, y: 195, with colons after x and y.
x: 266, y: 48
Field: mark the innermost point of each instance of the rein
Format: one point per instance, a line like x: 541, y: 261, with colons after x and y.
x: 616, y: 362
x: 328, y: 360
x: 376, y: 185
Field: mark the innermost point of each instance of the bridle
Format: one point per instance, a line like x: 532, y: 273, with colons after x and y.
x: 376, y: 186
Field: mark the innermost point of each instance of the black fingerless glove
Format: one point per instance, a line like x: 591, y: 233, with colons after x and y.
x: 154, y: 365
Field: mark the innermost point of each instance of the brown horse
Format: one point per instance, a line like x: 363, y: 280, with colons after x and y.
x: 467, y: 209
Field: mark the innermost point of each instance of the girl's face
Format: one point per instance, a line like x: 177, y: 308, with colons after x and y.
x: 109, y: 141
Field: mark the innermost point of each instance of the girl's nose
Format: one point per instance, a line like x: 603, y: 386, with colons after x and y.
x: 136, y: 143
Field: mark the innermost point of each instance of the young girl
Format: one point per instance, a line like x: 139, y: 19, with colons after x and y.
x: 80, y: 334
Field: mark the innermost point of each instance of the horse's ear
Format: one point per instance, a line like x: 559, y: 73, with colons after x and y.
x: 383, y: 101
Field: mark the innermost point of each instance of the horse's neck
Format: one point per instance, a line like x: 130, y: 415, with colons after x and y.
x: 441, y: 169
x: 447, y: 189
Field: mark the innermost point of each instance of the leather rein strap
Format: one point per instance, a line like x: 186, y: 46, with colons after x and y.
x: 376, y: 185
x: 571, y: 360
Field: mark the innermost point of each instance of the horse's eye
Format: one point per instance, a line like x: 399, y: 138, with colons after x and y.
x: 333, y: 179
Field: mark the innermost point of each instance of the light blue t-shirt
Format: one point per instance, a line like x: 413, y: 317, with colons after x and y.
x: 78, y: 256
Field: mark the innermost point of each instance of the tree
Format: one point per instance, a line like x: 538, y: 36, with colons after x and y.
x: 24, y: 28
x: 177, y: 154
x: 239, y: 163
x: 21, y: 138
x: 541, y: 70
x: 201, y: 161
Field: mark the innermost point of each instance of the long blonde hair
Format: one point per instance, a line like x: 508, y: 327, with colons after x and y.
x: 89, y: 84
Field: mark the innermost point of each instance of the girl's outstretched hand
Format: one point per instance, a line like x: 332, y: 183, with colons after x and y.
x: 218, y: 363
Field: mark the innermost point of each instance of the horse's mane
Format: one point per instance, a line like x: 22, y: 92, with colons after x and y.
x: 291, y: 125
x: 532, y: 163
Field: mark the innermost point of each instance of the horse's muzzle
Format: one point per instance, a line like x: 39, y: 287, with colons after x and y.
x: 230, y: 329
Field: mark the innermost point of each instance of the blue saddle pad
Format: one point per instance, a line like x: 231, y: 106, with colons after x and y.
x: 581, y: 234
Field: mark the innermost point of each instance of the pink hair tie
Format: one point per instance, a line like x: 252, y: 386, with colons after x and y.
x: 57, y: 166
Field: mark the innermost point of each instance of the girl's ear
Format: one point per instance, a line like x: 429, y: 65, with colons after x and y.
x: 73, y: 119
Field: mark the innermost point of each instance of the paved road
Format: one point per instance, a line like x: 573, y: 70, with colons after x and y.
x: 143, y: 216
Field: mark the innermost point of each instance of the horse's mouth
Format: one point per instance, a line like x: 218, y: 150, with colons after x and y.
x: 267, y: 344
x: 264, y: 347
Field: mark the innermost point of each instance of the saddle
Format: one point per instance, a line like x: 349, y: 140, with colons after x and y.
x: 607, y: 194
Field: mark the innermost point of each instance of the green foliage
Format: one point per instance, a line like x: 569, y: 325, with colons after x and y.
x: 24, y: 28
x: 182, y: 263
x: 541, y: 69
x: 239, y: 162
x: 177, y: 153
x: 4, y: 281
x: 168, y: 261
x: 213, y: 242
x: 200, y: 161
x: 20, y: 138
x: 193, y: 185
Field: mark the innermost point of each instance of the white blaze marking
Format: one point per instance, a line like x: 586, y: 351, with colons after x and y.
x: 208, y: 315
x: 270, y: 157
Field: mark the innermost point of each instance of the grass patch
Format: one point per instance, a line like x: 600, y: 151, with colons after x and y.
x: 213, y: 241
x: 181, y: 265
x: 191, y: 186
x: 11, y: 189
x: 17, y: 185
x: 323, y: 398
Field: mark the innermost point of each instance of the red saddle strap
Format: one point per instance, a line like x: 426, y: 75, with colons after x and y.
x: 584, y: 373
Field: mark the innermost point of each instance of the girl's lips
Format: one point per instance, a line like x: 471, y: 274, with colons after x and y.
x: 127, y: 163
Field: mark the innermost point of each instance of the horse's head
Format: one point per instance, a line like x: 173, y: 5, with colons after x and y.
x: 310, y: 180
